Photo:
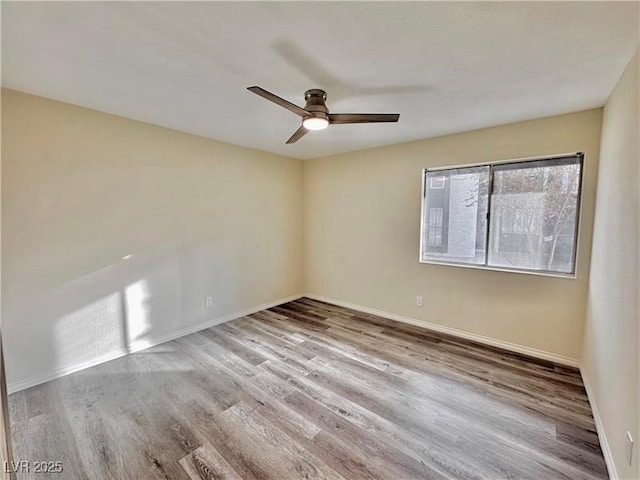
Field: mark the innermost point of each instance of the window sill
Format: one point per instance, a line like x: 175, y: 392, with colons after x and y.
x: 539, y: 273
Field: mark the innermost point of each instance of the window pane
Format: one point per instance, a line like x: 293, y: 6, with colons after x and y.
x: 534, y: 209
x: 455, y: 215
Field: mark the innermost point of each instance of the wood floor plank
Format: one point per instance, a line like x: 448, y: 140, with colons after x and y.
x: 313, y: 390
x: 205, y: 463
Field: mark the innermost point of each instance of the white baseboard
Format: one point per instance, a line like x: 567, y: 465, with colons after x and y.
x: 141, y: 345
x: 602, y: 436
x: 532, y: 352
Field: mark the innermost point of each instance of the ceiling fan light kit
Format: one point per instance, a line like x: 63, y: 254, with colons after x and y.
x: 315, y: 114
x: 315, y: 123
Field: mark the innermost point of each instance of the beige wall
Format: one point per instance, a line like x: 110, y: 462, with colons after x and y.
x: 362, y: 218
x: 82, y: 190
x: 611, y: 360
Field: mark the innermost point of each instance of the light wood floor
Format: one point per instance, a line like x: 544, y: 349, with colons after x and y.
x: 310, y: 390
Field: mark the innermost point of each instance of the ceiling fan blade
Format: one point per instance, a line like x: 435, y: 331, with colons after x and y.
x: 298, y: 134
x: 342, y: 118
x: 279, y: 101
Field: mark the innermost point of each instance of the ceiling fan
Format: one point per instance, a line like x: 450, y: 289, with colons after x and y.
x: 315, y: 114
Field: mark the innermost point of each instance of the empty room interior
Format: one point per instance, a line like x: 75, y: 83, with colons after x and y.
x: 320, y: 240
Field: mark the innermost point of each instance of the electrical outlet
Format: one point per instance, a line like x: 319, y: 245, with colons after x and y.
x: 208, y: 302
x: 629, y: 448
x: 418, y: 301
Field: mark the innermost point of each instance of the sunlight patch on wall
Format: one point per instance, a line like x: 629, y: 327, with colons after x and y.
x: 136, y: 318
x: 89, y: 332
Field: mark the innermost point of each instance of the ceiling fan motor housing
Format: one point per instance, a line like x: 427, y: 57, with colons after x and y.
x: 315, y: 105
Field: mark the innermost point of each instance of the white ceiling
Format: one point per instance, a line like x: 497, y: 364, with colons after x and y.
x: 445, y: 67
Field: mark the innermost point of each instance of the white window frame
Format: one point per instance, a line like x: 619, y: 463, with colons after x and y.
x: 573, y: 275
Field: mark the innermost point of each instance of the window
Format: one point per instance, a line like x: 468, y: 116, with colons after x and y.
x: 518, y: 215
x: 437, y: 183
x: 435, y: 227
